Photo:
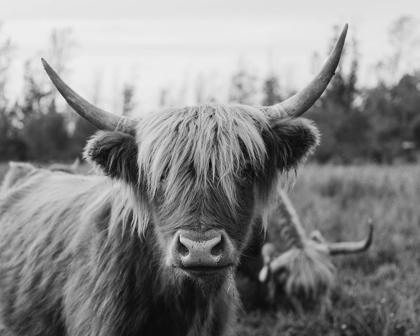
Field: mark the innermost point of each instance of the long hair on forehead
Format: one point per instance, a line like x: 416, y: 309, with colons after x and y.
x: 195, y: 146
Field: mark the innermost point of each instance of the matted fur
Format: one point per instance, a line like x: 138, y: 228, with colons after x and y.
x: 69, y: 266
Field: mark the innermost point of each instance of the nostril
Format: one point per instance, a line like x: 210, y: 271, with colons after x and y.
x: 182, y: 249
x: 200, y: 249
x: 217, y: 250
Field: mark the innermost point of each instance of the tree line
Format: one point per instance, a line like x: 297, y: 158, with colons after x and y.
x: 379, y: 123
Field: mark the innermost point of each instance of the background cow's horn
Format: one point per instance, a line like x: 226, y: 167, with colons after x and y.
x: 299, y: 103
x: 352, y: 247
x: 101, y: 119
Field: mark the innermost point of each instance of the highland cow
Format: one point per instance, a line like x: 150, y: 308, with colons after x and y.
x: 151, y: 245
x: 288, y: 268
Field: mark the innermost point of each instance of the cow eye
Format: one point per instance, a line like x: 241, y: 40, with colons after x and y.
x: 247, y: 173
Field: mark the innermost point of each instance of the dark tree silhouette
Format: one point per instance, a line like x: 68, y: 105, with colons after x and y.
x: 271, y: 91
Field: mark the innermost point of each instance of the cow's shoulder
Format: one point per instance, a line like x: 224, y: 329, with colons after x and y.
x: 18, y: 172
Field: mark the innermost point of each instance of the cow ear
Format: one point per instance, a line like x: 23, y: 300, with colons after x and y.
x: 294, y: 140
x: 115, y: 154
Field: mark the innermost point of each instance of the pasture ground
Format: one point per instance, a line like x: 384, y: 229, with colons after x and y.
x: 377, y: 292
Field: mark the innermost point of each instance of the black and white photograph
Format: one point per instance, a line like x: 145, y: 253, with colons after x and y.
x: 209, y: 168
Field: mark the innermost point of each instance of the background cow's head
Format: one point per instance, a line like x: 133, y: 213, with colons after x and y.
x: 300, y: 279
x: 201, y: 174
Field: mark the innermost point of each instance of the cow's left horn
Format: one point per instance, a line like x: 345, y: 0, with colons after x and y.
x: 352, y: 247
x: 298, y: 104
x: 101, y: 119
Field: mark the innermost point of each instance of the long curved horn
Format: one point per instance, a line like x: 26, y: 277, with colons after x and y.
x: 101, y: 119
x: 299, y: 103
x: 352, y: 247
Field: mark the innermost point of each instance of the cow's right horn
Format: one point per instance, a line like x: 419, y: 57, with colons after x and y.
x: 101, y: 119
x: 299, y: 103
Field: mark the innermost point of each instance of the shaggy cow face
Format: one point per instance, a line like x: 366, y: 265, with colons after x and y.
x: 201, y: 175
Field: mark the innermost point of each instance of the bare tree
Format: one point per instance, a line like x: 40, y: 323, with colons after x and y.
x: 164, y: 97
x: 5, y: 60
x: 271, y: 90
x: 404, y: 38
x: 243, y: 88
x: 97, y: 87
x: 61, y: 49
x: 200, y: 88
x: 128, y: 98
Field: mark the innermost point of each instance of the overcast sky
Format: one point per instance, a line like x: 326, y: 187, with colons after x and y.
x: 171, y: 43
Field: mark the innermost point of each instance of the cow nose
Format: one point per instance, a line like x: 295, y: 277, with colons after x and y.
x: 206, y: 250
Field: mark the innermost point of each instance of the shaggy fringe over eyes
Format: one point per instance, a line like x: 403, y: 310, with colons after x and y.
x: 190, y: 147
x: 185, y: 152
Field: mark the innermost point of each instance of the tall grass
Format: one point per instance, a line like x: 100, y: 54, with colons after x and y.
x: 377, y: 292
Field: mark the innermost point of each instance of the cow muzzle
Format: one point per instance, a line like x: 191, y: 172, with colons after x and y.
x: 202, y: 253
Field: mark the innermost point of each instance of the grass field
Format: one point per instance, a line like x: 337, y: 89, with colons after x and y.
x: 377, y: 292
